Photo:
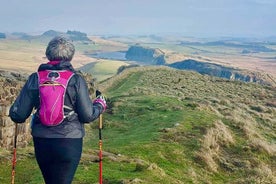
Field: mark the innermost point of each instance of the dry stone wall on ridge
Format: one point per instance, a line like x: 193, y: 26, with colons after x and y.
x: 11, y: 84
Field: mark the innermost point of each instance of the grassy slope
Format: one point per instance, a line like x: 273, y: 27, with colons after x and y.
x: 227, y: 127
x: 169, y: 126
x: 103, y: 68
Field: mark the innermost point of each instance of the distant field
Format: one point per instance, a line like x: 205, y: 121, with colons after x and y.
x: 19, y: 55
x: 24, y: 55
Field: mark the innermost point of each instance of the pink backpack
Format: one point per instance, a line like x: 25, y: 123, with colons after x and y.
x: 52, y: 88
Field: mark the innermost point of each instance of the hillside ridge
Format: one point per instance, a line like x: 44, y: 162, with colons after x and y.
x: 243, y: 125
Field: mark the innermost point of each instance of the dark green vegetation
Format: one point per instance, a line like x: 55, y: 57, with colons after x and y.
x: 171, y: 126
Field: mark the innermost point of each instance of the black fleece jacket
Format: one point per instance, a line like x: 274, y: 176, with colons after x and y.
x: 76, y: 97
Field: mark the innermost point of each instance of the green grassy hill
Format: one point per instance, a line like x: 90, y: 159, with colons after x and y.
x: 168, y: 126
x: 103, y: 68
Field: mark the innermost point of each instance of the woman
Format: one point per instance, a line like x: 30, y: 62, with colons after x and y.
x: 58, y: 148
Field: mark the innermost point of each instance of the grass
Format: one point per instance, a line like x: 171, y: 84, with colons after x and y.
x: 215, y: 99
x: 103, y: 69
x: 27, y: 170
x: 165, y: 126
x: 134, y: 130
x: 132, y: 139
x: 140, y: 136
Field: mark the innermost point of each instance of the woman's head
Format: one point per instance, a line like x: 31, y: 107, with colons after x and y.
x: 60, y: 48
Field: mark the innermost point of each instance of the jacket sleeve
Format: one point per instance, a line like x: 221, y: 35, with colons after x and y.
x: 87, y: 112
x: 24, y: 103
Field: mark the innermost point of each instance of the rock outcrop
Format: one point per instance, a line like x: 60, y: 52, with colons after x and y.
x: 222, y: 71
x: 150, y: 56
x: 146, y: 55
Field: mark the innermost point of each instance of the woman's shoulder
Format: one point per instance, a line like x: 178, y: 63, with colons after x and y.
x: 78, y: 76
x: 33, y: 77
x: 77, y: 79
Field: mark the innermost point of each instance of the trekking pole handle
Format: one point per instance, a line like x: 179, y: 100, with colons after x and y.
x: 100, y: 121
x: 98, y: 93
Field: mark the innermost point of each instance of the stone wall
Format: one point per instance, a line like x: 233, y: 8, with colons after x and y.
x: 11, y: 84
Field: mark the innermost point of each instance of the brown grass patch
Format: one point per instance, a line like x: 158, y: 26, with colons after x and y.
x: 215, y: 137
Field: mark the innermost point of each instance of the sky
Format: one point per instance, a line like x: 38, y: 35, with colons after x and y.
x: 201, y: 18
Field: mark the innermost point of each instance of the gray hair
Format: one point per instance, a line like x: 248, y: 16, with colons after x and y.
x: 60, y: 48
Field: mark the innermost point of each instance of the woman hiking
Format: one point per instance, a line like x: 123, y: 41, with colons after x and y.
x: 57, y: 135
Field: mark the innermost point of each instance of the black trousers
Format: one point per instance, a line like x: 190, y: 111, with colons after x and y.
x: 57, y: 158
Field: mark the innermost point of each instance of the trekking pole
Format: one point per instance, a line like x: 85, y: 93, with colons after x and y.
x: 100, y: 144
x: 14, y: 155
x: 100, y: 150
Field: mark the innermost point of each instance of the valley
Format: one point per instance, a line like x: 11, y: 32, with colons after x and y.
x: 245, y: 54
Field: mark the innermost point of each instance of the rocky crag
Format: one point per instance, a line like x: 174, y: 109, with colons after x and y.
x: 223, y: 71
x: 146, y: 55
x: 150, y: 56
